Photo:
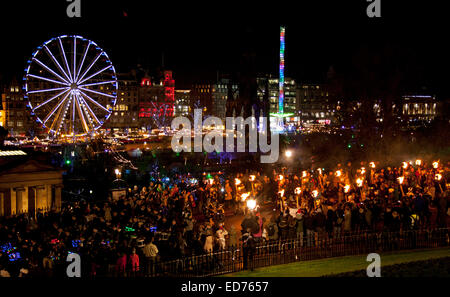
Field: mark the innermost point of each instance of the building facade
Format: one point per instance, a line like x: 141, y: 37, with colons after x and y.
x: 182, y: 102
x: 220, y: 96
x: 15, y: 116
x: 417, y: 108
x: 314, y: 104
x: 202, y: 97
x: 125, y: 114
x: 29, y: 187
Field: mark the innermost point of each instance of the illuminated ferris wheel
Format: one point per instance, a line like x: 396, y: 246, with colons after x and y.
x: 71, y: 86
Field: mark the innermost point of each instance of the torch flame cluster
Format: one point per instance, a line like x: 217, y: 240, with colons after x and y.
x: 359, y: 182
x: 244, y: 196
x: 346, y: 188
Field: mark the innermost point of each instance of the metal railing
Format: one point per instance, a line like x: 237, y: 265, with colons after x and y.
x: 240, y: 258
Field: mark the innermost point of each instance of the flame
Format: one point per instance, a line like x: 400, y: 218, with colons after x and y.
x: 280, y: 177
x: 244, y: 196
x: 237, y: 181
x: 346, y: 188
x: 338, y: 173
x: 418, y: 162
x: 400, y: 179
x: 252, y: 178
x: 438, y: 176
x: 281, y: 193
x: 315, y: 193
x: 304, y: 174
x: 363, y: 170
x: 435, y: 164
x: 372, y: 164
x: 359, y: 182
x: 405, y: 165
x: 297, y: 191
x: 320, y: 171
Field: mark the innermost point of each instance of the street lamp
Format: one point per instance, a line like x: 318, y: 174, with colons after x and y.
x: 118, y: 173
x: 288, y: 153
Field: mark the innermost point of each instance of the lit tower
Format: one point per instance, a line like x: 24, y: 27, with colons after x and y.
x: 280, y: 115
x: 281, y: 79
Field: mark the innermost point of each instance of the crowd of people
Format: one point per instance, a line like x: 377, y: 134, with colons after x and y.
x: 184, y: 216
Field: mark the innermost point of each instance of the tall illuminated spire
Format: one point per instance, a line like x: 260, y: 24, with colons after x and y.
x: 281, y: 80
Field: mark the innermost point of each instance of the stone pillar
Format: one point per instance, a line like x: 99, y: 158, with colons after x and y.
x: 18, y: 201
x: 7, y: 202
x: 57, y: 192
x: 2, y: 204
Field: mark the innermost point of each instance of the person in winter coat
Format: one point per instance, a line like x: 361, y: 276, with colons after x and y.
x: 330, y: 221
x: 292, y: 222
x: 209, y: 244
x: 272, y: 229
x: 319, y: 222
x: 257, y: 236
x: 300, y: 226
x: 121, y: 264
x: 134, y: 260
x: 233, y: 242
x: 221, y: 233
x: 309, y: 226
x: 347, y: 220
x: 283, y: 225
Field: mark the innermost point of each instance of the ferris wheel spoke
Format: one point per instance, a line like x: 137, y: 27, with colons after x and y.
x: 47, y: 90
x: 57, y: 63
x: 93, y: 101
x: 47, y: 101
x: 98, y: 93
x: 82, y: 61
x: 80, y: 98
x: 65, y: 59
x: 83, y: 120
x: 97, y: 73
x: 50, y: 70
x: 48, y: 79
x: 73, y: 117
x: 60, y: 115
x: 74, y: 57
x: 56, y: 107
x: 90, y: 66
x: 99, y: 83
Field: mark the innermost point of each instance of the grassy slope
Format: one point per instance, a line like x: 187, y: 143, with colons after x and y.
x: 329, y: 266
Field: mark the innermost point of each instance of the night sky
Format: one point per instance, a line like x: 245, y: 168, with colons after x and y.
x: 199, y: 38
